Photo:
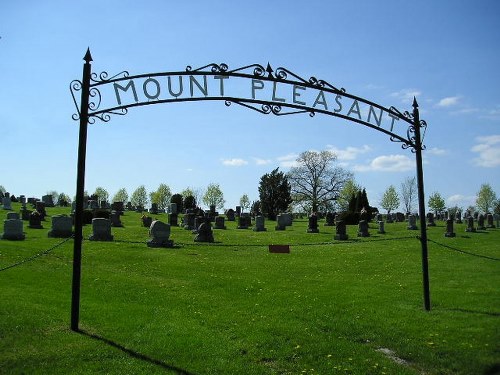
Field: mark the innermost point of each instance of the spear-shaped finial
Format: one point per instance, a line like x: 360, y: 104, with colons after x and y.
x: 88, y: 57
x: 415, y: 104
x: 269, y: 70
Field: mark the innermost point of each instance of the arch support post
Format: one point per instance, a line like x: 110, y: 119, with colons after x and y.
x: 80, y: 186
x: 421, y: 205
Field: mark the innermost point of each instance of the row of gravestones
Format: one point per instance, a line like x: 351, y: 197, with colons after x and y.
x: 62, y: 226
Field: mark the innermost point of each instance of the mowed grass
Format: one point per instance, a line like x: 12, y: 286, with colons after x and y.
x: 234, y: 308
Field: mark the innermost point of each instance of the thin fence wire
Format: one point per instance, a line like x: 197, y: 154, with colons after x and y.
x: 38, y: 255
x: 463, y: 251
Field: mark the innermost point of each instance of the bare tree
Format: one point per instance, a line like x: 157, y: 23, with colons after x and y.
x: 409, y: 193
x: 316, y: 180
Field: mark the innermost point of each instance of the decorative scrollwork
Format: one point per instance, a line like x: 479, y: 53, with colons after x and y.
x: 258, y: 70
x: 268, y: 108
x: 74, y: 86
x: 94, y: 93
x: 106, y: 116
x: 103, y: 77
x: 214, y: 68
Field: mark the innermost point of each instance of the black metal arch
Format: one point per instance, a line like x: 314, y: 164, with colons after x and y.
x: 95, y: 103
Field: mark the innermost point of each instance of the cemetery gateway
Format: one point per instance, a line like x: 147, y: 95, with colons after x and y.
x: 257, y: 87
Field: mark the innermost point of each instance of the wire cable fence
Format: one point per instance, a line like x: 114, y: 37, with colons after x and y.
x: 219, y: 244
x: 38, y: 255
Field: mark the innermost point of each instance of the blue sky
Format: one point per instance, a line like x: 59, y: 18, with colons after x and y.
x: 446, y: 53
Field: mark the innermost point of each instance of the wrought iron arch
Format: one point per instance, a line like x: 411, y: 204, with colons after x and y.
x: 304, y: 96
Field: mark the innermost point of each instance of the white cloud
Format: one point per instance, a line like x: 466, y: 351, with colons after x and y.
x: 436, y: 151
x: 349, y: 153
x: 488, y: 150
x: 259, y: 161
x: 234, y: 162
x: 388, y: 163
x: 448, y: 101
x: 406, y: 95
x: 288, y: 161
x: 460, y: 201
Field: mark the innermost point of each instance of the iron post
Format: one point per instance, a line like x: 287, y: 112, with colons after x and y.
x: 421, y: 205
x: 80, y: 186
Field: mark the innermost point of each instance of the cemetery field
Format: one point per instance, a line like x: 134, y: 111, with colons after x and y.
x: 231, y: 307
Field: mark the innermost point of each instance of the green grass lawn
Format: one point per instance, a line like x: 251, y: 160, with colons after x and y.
x: 234, y: 308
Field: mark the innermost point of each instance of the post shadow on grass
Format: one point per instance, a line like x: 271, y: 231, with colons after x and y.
x: 135, y: 354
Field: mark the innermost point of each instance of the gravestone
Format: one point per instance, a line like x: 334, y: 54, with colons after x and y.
x: 154, y: 209
x: 119, y: 207
x: 470, y: 224
x: 330, y: 219
x: 400, y: 217
x: 146, y: 221
x: 430, y: 220
x: 280, y: 222
x: 489, y: 219
x: 480, y: 222
x: 230, y: 215
x: 25, y: 214
x: 104, y: 205
x: 288, y: 219
x: 341, y: 231
x: 22, y: 200
x: 379, y: 217
x: 35, y: 221
x: 238, y: 211
x: 259, y: 224
x: 160, y: 233
x: 189, y: 221
x: 244, y: 221
x: 40, y: 207
x: 219, y: 222
x: 312, y: 226
x: 173, y: 208
x: 449, y: 229
x: 48, y: 200
x: 204, y: 233
x: 101, y: 230
x: 363, y: 229
x: 93, y: 204
x: 115, y: 219
x: 62, y: 226
x: 198, y: 220
x: 129, y: 206
x: 7, y: 204
x: 381, y: 229
x: 390, y: 219
x: 412, y: 222
x: 173, y: 219
x: 497, y: 220
x: 13, y: 230
x: 458, y: 217
x: 13, y: 215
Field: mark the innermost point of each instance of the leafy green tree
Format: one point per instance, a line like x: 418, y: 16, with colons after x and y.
x: 214, y: 196
x: 316, y: 179
x: 121, y: 196
x: 161, y: 196
x: 2, y: 189
x: 244, y: 202
x: 345, y: 195
x: 409, y: 193
x: 436, y: 202
x: 390, y: 199
x: 139, y: 197
x: 486, y: 198
x: 274, y: 193
x: 102, y: 194
x: 63, y: 200
x: 178, y: 200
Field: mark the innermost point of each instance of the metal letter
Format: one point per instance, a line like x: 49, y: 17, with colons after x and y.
x: 256, y: 87
x: 118, y: 86
x: 352, y: 110
x: 337, y: 100
x: 394, y: 118
x: 144, y: 88
x: 297, y: 94
x: 321, y: 95
x: 377, y: 120
x: 221, y: 78
x: 204, y: 89
x: 175, y: 95
x: 275, y: 99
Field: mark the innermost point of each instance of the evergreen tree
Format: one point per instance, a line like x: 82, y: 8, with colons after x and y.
x: 178, y: 200
x: 274, y: 193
